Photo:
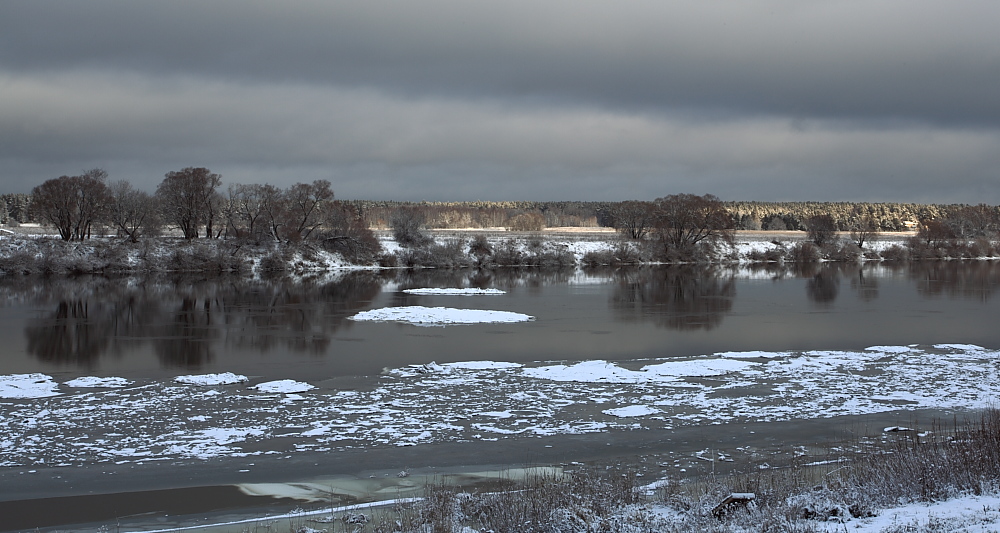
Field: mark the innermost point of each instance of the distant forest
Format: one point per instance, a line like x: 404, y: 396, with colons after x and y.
x: 527, y: 216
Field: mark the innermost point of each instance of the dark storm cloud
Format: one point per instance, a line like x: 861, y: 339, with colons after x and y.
x: 463, y: 100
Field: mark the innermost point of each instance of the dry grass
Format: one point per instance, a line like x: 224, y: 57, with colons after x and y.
x: 950, y: 460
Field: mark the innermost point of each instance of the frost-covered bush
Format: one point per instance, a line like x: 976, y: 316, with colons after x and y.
x: 804, y: 252
x: 848, y: 252
x: 895, y: 252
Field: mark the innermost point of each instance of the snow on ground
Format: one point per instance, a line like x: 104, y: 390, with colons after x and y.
x: 439, y: 316
x: 456, y: 292
x: 418, y: 404
x: 967, y: 514
x: 224, y: 378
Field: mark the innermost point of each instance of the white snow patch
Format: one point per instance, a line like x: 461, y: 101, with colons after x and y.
x: 27, y: 386
x: 632, y: 410
x: 891, y: 349
x: 286, y: 386
x: 698, y: 367
x: 224, y: 378
x: 96, y: 382
x: 439, y: 316
x: 605, y: 372
x: 585, y: 372
x: 455, y: 292
x: 960, y: 347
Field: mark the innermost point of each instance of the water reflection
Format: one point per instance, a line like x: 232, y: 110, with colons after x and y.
x: 184, y: 319
x: 865, y: 284
x: 188, y: 322
x: 70, y: 335
x: 977, y: 280
x: 677, y: 297
x: 822, y: 283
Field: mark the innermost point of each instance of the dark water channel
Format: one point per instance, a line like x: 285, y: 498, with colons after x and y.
x: 299, y: 328
x: 156, y: 328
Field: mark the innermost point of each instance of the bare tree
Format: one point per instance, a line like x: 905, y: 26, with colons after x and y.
x: 189, y: 200
x: 864, y: 230
x: 73, y: 204
x: 684, y: 221
x: 132, y: 212
x: 307, y: 206
x: 633, y: 219
x: 245, y: 212
x: 822, y: 229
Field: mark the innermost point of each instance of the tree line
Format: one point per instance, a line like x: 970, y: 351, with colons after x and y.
x: 194, y: 201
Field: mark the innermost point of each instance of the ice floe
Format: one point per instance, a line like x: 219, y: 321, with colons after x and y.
x: 479, y: 400
x: 439, y: 316
x: 225, y: 378
x: 456, y: 292
x: 27, y: 386
x: 631, y: 410
x: 283, y: 386
x: 96, y: 382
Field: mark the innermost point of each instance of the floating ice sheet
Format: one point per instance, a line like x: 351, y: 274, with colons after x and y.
x: 27, y: 386
x: 456, y: 292
x: 224, y: 378
x: 96, y: 382
x: 479, y: 400
x: 283, y: 386
x: 439, y: 316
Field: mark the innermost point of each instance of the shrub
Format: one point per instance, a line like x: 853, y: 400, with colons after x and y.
x: 804, y: 252
x: 895, y: 253
x: 354, y: 242
x: 480, y: 247
x: 406, y: 225
x: 849, y: 252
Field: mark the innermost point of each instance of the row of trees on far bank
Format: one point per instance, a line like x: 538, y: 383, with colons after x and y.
x: 191, y: 201
x: 194, y: 201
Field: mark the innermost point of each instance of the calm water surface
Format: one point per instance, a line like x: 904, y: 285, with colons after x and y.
x: 299, y: 329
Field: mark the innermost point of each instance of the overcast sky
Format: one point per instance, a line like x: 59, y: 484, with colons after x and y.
x: 512, y: 100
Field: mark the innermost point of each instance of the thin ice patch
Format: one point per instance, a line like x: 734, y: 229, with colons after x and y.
x: 27, y: 386
x: 439, y: 316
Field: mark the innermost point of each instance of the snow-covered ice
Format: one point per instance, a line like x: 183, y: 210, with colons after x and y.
x: 455, y: 292
x: 96, y: 382
x: 631, y: 410
x: 283, y: 386
x: 27, y: 386
x: 478, y: 400
x: 225, y: 378
x: 439, y: 316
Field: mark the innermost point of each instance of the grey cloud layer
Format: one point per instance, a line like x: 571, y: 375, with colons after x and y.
x: 429, y: 100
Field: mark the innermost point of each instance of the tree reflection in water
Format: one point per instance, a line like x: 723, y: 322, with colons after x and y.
x: 70, y: 334
x: 976, y: 280
x: 680, y: 297
x: 183, y: 318
x: 822, y: 281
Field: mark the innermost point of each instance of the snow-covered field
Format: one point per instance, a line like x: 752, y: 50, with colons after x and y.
x: 107, y: 420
